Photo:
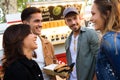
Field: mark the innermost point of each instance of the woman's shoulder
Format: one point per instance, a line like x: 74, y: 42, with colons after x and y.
x: 109, y: 34
x: 17, y: 71
x: 16, y: 65
x: 21, y: 66
x: 14, y: 68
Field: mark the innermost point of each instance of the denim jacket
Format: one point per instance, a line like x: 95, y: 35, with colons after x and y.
x: 108, y: 59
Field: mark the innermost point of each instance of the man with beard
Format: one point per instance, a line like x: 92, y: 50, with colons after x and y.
x: 81, y: 46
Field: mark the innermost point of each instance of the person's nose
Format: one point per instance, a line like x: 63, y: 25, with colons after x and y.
x: 40, y: 23
x: 73, y: 22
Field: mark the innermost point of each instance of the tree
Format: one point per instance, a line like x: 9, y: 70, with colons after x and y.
x: 21, y: 4
x: 8, y: 7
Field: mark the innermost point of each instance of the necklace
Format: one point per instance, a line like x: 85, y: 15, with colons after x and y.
x: 75, y: 43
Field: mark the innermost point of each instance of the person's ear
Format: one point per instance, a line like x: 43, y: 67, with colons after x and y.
x: 65, y: 22
x: 25, y: 22
x: 108, y: 14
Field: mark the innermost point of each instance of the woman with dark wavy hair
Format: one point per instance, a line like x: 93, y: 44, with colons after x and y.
x: 19, y: 43
x: 106, y: 17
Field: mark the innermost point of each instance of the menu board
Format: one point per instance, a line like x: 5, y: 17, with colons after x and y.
x: 51, y: 13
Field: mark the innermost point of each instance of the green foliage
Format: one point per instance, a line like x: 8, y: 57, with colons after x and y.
x: 21, y: 4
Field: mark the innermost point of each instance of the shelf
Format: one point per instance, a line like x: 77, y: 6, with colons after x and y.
x: 58, y: 42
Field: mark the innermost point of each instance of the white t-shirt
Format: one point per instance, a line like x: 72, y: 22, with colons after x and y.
x: 73, y: 50
x: 40, y: 57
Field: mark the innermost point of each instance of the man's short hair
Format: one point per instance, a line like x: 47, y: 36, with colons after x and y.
x: 27, y: 12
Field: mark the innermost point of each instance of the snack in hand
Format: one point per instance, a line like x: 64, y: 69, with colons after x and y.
x: 64, y: 68
x: 59, y: 66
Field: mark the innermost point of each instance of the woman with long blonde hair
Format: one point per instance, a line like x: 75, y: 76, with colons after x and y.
x: 106, y: 18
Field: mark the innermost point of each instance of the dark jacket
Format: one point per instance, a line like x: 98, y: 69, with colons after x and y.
x: 108, y: 61
x: 23, y: 69
x: 87, y: 49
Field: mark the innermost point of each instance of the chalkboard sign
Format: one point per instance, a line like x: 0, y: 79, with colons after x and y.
x: 51, y: 13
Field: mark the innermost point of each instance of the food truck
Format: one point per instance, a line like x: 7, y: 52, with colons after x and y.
x: 54, y: 28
